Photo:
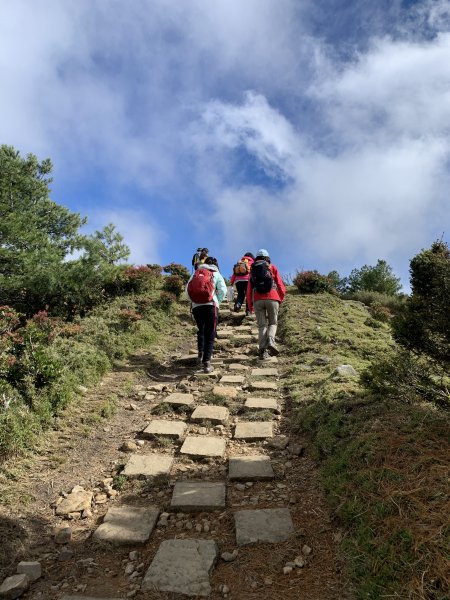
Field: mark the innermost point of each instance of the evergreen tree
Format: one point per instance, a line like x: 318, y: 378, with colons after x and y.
x: 379, y: 278
x: 425, y: 324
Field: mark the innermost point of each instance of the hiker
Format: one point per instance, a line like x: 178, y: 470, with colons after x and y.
x: 241, y: 273
x: 196, y: 258
x: 206, y: 289
x: 200, y: 257
x: 265, y: 292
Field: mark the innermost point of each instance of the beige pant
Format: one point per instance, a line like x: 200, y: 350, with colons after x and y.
x: 266, y: 312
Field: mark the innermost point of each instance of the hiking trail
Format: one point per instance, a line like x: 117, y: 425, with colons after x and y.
x: 209, y: 494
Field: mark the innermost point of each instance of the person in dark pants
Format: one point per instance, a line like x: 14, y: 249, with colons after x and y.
x: 206, y: 289
x: 239, y: 278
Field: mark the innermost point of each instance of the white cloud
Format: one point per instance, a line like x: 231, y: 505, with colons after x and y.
x: 140, y: 233
x: 352, y: 155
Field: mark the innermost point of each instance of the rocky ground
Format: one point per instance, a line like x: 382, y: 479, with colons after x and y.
x: 195, y: 486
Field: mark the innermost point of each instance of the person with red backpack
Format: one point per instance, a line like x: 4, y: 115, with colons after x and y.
x: 265, y: 293
x: 206, y: 290
x: 241, y: 273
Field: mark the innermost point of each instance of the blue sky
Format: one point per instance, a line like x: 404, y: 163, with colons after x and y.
x: 316, y: 129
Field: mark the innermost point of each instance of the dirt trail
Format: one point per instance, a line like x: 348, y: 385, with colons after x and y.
x: 78, y: 456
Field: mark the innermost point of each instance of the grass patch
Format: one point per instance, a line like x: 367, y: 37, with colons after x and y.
x: 384, y: 462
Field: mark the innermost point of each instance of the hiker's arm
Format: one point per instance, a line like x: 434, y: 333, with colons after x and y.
x: 249, y: 296
x: 281, y: 288
x: 221, y: 288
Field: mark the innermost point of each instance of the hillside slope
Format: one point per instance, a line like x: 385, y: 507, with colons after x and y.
x: 384, y: 463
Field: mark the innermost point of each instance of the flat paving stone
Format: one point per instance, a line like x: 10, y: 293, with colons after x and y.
x: 271, y: 525
x: 238, y: 367
x: 262, y: 403
x: 203, y: 446
x: 225, y: 391
x: 182, y: 567
x: 243, y: 337
x: 236, y: 357
x: 178, y: 399
x: 250, y: 468
x: 124, y: 525
x: 209, y: 412
x: 148, y: 465
x: 235, y: 379
x: 269, y: 372
x: 257, y: 430
x: 264, y: 385
x: 224, y: 333
x: 165, y: 428
x: 198, y: 495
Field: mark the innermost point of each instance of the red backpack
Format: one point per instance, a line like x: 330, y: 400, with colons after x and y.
x: 202, y: 286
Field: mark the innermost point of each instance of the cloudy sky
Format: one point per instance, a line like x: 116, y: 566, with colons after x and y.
x: 318, y: 129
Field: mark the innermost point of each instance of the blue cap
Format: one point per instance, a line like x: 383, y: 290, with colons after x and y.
x: 262, y: 252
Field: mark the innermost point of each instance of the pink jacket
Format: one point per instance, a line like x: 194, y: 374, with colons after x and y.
x: 235, y: 278
x: 278, y: 291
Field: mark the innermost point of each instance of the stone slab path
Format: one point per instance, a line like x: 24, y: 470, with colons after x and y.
x: 198, y: 495
x: 148, y: 465
x: 223, y: 491
x: 265, y: 525
x: 182, y: 567
x: 127, y: 525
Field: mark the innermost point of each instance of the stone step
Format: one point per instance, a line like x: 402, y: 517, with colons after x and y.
x: 203, y: 446
x: 165, y: 428
x: 253, y: 430
x: 218, y: 415
x: 264, y: 385
x: 238, y: 367
x: 182, y: 567
x: 189, y: 496
x: 225, y: 391
x: 262, y: 404
x: 178, y: 399
x: 244, y: 338
x: 87, y: 598
x: 271, y: 525
x: 264, y: 372
x: 124, y: 525
x: 250, y: 468
x: 148, y: 465
x: 233, y: 379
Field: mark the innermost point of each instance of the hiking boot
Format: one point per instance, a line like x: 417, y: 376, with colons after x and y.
x: 207, y: 367
x: 237, y: 307
x: 263, y: 355
x: 199, y: 359
x: 272, y: 347
x: 247, y: 313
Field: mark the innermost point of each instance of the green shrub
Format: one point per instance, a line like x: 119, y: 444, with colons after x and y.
x: 402, y: 375
x: 166, y: 299
x: 174, y: 285
x: 312, y: 282
x: 140, y: 279
x: 424, y: 325
x: 379, y: 278
x: 394, y: 304
x: 177, y: 269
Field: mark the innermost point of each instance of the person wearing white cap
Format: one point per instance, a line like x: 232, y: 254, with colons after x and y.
x: 265, y: 292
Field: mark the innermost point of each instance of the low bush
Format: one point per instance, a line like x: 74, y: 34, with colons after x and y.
x: 177, y: 269
x: 174, y: 285
x: 394, y: 304
x: 166, y: 300
x: 312, y: 282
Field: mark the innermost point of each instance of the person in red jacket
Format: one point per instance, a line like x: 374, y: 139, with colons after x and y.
x: 241, y: 280
x: 265, y: 293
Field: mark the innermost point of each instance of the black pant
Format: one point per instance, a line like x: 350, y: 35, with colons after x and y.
x: 205, y: 316
x: 241, y: 287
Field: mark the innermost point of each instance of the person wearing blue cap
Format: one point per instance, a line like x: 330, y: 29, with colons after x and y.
x: 265, y: 293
